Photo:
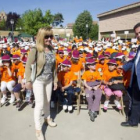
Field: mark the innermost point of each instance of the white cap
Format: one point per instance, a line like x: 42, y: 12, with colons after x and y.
x: 105, y: 47
x: 109, y: 44
x: 123, y: 48
x: 133, y: 46
x: 86, y: 49
x: 81, y: 49
x: 4, y: 46
x: 26, y: 47
x: 55, y: 47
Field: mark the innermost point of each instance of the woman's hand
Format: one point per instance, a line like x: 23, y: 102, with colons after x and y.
x: 55, y: 86
x: 28, y: 85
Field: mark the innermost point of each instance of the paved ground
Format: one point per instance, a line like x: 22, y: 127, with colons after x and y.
x: 16, y: 125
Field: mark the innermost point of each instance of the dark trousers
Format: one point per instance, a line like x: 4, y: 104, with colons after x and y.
x: 135, y: 109
x: 70, y: 94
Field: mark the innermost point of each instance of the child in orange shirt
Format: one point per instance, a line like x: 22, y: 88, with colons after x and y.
x: 67, y: 83
x: 91, y: 84
x: 100, y: 66
x: 107, y: 75
x: 7, y: 80
x: 16, y: 65
x: 76, y: 65
x: 60, y: 58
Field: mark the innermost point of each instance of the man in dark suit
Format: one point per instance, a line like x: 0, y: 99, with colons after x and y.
x: 134, y: 65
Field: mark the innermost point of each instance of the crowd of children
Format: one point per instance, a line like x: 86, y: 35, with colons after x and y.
x: 93, y: 65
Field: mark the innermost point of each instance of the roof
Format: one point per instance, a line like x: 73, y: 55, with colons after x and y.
x: 25, y: 35
x: 127, y: 7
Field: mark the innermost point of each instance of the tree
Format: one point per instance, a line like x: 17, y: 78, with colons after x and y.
x: 19, y: 25
x: 34, y: 19
x: 13, y: 16
x: 83, y: 25
x: 94, y: 32
x: 3, y: 25
x: 58, y: 19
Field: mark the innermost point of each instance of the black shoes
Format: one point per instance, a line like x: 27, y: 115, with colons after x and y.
x: 18, y: 105
x: 92, y: 115
x: 127, y: 124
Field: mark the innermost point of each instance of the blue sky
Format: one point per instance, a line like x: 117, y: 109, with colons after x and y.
x: 69, y: 8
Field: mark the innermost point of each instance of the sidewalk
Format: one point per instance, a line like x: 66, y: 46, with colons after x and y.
x: 20, y: 126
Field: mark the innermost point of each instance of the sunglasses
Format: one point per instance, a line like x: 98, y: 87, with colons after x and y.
x: 111, y: 65
x: 48, y: 36
x: 61, y: 53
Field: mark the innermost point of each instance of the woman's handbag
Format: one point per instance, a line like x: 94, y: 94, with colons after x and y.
x: 34, y: 69
x: 119, y: 86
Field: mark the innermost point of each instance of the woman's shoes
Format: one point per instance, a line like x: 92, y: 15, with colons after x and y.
x: 50, y: 122
x: 39, y: 135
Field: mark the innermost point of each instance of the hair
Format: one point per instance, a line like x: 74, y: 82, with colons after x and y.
x: 136, y: 26
x: 16, y: 45
x: 42, y: 32
x: 74, y: 61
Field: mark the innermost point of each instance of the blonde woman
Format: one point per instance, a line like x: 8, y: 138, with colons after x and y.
x: 45, y: 77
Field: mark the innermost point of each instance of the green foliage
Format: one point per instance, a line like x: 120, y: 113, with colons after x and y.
x: 94, y: 32
x: 58, y: 19
x: 34, y: 19
x: 3, y: 25
x: 80, y: 28
x: 19, y: 25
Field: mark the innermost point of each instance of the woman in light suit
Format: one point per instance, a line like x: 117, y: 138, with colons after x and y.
x: 45, y: 77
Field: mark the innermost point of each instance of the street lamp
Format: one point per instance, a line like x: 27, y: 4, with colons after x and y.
x: 12, y: 23
x: 87, y: 30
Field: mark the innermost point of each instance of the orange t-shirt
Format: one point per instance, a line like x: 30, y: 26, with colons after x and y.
x: 107, y: 75
x: 66, y: 77
x: 100, y: 66
x: 17, y: 68
x: 91, y: 76
x: 5, y: 76
x: 18, y: 52
x: 82, y: 60
x: 76, y: 67
x: 111, y: 50
x: 59, y: 60
x: 21, y: 73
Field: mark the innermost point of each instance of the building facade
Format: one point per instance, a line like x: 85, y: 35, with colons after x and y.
x: 3, y: 16
x: 119, y: 20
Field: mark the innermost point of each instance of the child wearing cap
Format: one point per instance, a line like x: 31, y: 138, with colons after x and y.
x: 7, y: 80
x: 76, y: 65
x: 107, y: 75
x: 16, y: 65
x: 100, y: 66
x: 21, y: 84
x: 91, y: 83
x: 67, y: 83
x: 60, y: 58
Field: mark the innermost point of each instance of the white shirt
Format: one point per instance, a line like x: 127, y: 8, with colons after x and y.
x: 137, y: 60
